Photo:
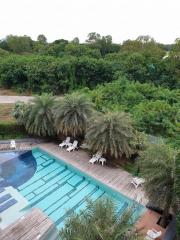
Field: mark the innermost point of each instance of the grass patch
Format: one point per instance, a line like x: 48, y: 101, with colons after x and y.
x: 6, y: 112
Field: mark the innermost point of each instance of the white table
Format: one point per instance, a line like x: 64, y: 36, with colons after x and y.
x: 102, y: 161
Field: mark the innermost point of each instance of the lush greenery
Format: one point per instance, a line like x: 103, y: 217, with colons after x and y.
x: 110, y: 134
x: 139, y: 76
x: 99, y: 222
x: 158, y: 168
x: 62, y: 65
x: 10, y: 130
x: 154, y: 110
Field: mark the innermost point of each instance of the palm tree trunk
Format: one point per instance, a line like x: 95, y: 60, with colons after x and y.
x: 165, y: 215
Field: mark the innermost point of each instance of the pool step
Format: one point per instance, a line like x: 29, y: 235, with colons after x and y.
x: 1, y: 189
x: 4, y: 198
x: 11, y: 201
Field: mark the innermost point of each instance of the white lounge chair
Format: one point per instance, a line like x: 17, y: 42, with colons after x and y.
x: 153, y: 234
x: 12, y: 144
x: 95, y: 158
x: 137, y: 181
x: 65, y: 143
x: 73, y: 146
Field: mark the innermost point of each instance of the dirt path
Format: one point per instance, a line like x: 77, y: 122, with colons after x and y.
x: 13, y: 99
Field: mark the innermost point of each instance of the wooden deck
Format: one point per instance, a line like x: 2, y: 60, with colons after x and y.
x: 34, y: 225
x: 149, y: 221
x: 115, y: 178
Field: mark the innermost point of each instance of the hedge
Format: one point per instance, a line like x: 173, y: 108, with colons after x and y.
x: 11, y: 129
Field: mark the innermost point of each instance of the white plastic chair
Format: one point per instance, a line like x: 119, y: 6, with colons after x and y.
x: 12, y: 144
x: 153, y: 234
x: 73, y: 146
x: 95, y: 158
x: 65, y: 143
x: 137, y: 181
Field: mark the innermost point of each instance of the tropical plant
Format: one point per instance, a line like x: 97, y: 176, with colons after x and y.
x: 99, y: 222
x: 19, y: 112
x: 39, y: 118
x: 72, y: 114
x: 157, y: 167
x: 110, y: 134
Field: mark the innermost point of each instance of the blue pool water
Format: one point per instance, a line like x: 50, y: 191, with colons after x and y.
x: 17, y: 168
x: 59, y: 189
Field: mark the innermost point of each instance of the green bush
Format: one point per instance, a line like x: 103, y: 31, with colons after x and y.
x: 10, y: 129
x: 51, y: 74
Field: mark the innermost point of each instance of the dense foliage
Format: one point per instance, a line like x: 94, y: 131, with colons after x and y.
x: 62, y: 65
x: 10, y: 130
x: 99, y: 222
x: 154, y: 110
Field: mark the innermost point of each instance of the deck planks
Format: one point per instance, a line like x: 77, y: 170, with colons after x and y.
x: 34, y: 224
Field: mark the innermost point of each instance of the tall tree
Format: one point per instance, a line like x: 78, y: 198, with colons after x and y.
x: 72, y: 114
x: 42, y: 39
x: 39, y: 118
x: 110, y: 134
x: 19, y: 44
x: 158, y: 168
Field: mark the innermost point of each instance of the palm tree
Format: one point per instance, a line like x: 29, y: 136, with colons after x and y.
x: 39, y: 117
x: 110, y: 134
x: 157, y: 166
x: 99, y: 222
x: 72, y: 114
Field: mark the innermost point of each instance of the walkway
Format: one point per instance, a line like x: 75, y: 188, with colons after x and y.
x: 115, y: 178
x: 13, y: 99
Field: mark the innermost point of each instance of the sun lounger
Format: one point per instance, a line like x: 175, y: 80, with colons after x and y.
x: 137, y: 181
x: 153, y: 234
x: 12, y: 144
x: 73, y: 146
x: 95, y: 158
x: 65, y: 143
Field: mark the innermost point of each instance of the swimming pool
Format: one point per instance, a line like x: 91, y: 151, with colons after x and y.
x: 59, y: 189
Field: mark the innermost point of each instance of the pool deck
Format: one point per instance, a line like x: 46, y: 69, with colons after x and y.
x: 116, y: 178
x: 34, y: 225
